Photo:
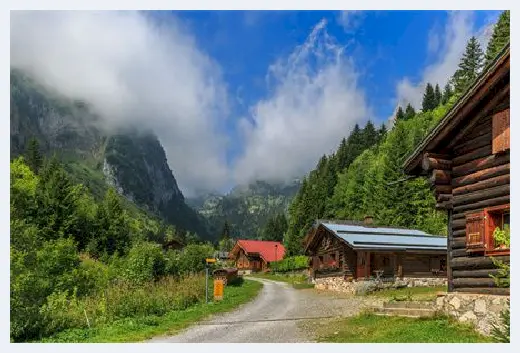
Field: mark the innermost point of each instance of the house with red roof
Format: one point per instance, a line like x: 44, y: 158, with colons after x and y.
x: 256, y: 255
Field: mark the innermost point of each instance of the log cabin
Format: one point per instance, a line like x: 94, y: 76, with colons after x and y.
x: 359, y: 251
x: 466, y: 157
x: 256, y: 255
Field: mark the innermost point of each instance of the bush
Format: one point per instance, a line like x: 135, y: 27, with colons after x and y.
x: 292, y: 263
x: 145, y: 262
x: 192, y: 258
x: 35, y: 275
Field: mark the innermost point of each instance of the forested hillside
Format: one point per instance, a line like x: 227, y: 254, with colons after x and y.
x: 365, y: 177
x: 246, y: 208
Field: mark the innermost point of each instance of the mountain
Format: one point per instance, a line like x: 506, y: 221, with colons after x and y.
x: 247, y: 208
x: 130, y: 160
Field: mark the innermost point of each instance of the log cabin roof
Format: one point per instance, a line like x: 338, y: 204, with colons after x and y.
x: 384, y: 238
x: 458, y: 115
x: 268, y: 250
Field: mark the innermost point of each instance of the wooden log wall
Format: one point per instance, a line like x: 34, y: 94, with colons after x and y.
x: 479, y: 180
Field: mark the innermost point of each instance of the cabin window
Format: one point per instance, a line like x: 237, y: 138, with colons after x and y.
x: 482, y: 227
x: 497, y: 222
x: 320, y: 264
x: 501, y: 132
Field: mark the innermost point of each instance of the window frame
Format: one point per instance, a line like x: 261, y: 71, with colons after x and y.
x: 502, y: 209
x: 488, y: 214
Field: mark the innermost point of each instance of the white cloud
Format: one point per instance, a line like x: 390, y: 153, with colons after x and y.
x: 133, y: 70
x: 450, y: 43
x: 350, y: 20
x: 315, y: 101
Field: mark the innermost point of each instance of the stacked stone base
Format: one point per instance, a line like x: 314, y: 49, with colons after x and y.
x: 481, y: 310
x: 340, y: 284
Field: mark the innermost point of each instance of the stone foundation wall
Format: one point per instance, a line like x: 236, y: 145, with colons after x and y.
x: 339, y: 284
x: 479, y: 309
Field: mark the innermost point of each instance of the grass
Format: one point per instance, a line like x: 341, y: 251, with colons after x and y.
x: 410, y: 294
x: 368, y: 328
x: 143, y: 328
x: 297, y: 281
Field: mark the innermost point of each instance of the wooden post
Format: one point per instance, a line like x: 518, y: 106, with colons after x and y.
x: 448, y: 260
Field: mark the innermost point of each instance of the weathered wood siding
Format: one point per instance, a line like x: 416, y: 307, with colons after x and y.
x: 481, y: 179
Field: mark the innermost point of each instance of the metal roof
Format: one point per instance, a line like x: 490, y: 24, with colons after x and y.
x: 360, y: 237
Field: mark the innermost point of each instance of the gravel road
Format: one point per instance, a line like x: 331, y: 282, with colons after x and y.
x: 273, y: 317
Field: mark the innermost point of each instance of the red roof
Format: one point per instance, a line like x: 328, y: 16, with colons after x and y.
x: 266, y: 249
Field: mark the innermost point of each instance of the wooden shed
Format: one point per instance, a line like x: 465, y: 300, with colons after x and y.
x: 361, y: 251
x: 466, y: 157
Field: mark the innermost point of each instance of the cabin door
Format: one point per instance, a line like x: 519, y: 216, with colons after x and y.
x: 363, y: 265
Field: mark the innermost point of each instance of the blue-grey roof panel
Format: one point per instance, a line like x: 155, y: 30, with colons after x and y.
x: 341, y: 228
x: 385, y: 239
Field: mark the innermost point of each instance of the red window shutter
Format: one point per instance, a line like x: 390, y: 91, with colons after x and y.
x: 475, y: 231
x: 501, y: 131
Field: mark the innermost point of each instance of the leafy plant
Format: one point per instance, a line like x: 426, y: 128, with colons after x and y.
x: 501, y: 330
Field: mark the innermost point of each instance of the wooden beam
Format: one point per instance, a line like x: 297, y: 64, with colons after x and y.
x: 475, y: 273
x: 431, y: 161
x: 470, y: 156
x: 485, y: 290
x: 481, y: 195
x: 448, y: 260
x: 482, y: 112
x: 461, y: 233
x: 481, y: 175
x: 446, y: 205
x: 479, y: 262
x: 459, y: 223
x: 480, y: 164
x: 481, y: 185
x: 459, y: 243
x: 474, y: 143
x: 442, y: 189
x: 440, y: 177
x: 444, y: 197
x: 458, y: 253
x: 473, y: 282
x: 483, y: 204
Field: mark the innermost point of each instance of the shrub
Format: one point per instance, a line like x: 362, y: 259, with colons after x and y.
x: 145, y: 262
x: 36, y: 274
x: 192, y: 258
x: 292, y: 263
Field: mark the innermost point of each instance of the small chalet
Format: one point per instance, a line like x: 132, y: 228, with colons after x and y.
x: 466, y: 158
x: 360, y: 251
x: 256, y: 255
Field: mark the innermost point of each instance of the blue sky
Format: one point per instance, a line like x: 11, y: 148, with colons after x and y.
x: 385, y: 45
x: 236, y: 96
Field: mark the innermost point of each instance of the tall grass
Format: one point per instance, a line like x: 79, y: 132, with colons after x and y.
x: 122, y: 299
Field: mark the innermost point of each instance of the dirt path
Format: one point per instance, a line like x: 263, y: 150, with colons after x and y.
x: 272, y: 317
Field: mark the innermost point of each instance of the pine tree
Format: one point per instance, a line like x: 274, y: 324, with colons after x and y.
x: 499, y: 38
x: 409, y: 113
x: 447, y: 94
x: 429, y: 99
x: 438, y: 96
x: 369, y: 135
x: 34, y: 157
x: 381, y: 133
x: 400, y: 114
x: 470, y: 66
x: 226, y: 231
